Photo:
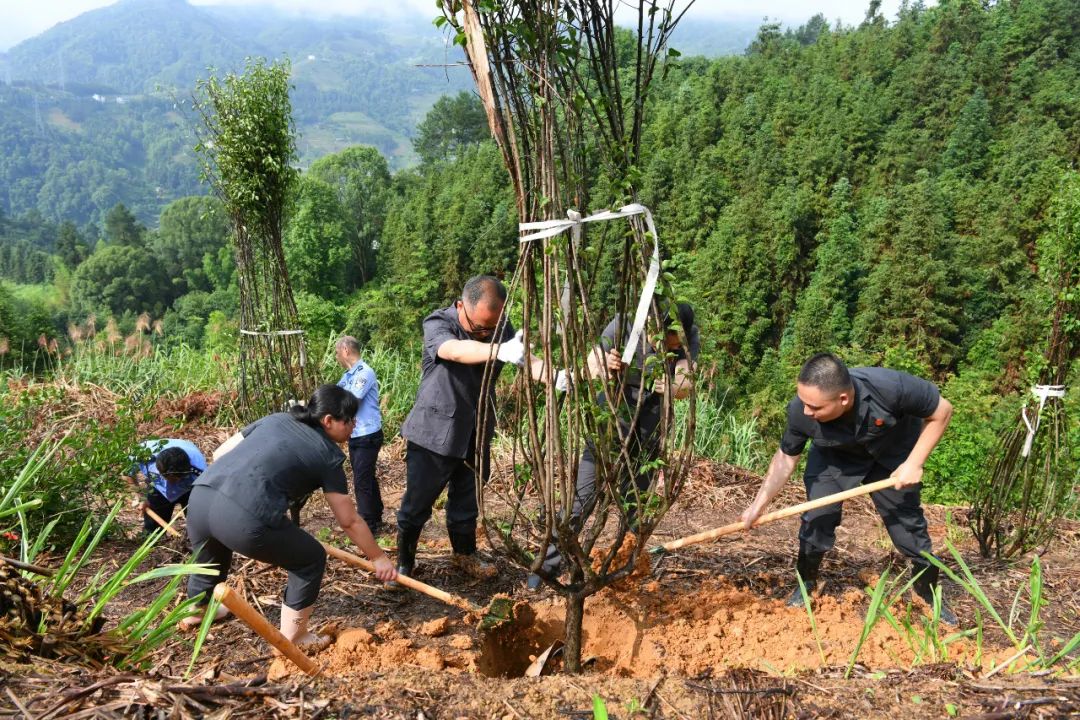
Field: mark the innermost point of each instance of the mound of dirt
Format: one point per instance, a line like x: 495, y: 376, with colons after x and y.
x: 649, y: 631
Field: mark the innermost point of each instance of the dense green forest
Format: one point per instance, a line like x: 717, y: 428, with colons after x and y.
x: 883, y: 191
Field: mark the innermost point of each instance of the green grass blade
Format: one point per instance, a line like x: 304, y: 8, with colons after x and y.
x: 204, y: 631
x: 810, y: 613
x: 972, y: 587
x: 599, y: 709
x: 872, y: 617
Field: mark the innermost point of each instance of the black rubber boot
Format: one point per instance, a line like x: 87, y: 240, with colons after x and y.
x: 407, y: 540
x: 807, y: 566
x: 463, y: 542
x: 926, y: 581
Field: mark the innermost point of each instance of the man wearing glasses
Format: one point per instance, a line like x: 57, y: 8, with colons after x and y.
x: 441, y: 427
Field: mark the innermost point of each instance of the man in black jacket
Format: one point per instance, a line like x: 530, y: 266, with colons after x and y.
x: 441, y: 428
x: 866, y: 424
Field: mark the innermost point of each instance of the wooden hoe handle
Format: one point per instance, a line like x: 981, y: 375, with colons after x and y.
x: 241, y: 609
x: 161, y: 521
x: 779, y: 514
x: 440, y: 595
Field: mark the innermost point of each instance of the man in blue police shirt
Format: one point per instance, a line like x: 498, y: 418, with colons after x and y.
x: 367, y: 435
x: 866, y: 424
x: 170, y: 472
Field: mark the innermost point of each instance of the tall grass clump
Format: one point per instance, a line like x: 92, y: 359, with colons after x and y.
x: 1025, y: 631
x: 145, y: 370
x: 721, y: 434
x: 46, y: 615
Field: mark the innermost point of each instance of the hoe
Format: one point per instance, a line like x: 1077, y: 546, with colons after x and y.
x: 735, y: 527
x: 498, y: 613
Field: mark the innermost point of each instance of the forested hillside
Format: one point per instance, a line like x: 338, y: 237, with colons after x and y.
x: 884, y: 191
x: 93, y: 110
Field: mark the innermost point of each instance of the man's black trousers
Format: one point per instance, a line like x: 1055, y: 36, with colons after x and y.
x: 427, y: 473
x: 901, y: 511
x: 363, y: 456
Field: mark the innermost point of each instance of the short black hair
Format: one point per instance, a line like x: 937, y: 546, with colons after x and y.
x: 172, y: 461
x: 826, y: 372
x: 684, y: 312
x: 481, y: 287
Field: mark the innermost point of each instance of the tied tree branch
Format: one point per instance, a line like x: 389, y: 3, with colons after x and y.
x: 247, y: 149
x: 565, y: 92
x: 1030, y: 482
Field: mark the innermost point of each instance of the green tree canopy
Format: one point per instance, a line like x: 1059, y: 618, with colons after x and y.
x: 453, y: 124
x: 190, y: 229
x: 361, y: 180
x: 119, y: 279
x: 317, y: 250
x: 123, y: 228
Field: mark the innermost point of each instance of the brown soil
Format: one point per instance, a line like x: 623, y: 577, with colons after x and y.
x: 701, y: 633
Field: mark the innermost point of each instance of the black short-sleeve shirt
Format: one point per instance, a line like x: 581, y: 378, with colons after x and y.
x: 652, y: 404
x: 280, y: 460
x: 443, y: 418
x: 882, y: 427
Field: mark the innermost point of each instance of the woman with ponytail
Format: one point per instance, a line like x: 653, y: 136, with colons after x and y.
x: 240, y: 503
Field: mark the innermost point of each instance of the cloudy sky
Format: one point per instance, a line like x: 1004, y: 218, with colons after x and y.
x: 26, y: 18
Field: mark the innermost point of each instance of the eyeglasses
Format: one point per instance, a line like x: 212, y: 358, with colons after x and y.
x: 476, y: 329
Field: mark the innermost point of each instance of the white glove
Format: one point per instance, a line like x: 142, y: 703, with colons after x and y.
x: 512, y: 351
x: 562, y: 381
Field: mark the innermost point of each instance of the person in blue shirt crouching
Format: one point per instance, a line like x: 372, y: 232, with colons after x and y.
x: 170, y: 472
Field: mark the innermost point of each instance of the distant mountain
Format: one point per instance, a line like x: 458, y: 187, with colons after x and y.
x: 712, y: 38
x: 91, y: 110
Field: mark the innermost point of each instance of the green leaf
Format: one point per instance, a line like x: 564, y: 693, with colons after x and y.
x: 599, y: 709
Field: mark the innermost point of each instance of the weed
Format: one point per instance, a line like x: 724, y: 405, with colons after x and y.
x: 810, y: 613
x: 599, y: 708
x: 1025, y: 639
x: 873, y: 613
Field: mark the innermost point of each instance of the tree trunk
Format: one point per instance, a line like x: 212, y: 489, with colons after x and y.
x: 575, y: 614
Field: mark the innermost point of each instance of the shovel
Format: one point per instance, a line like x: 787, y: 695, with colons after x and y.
x: 735, y: 527
x: 499, y: 612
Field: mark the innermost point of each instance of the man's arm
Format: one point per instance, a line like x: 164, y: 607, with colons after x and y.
x: 781, y: 468
x: 680, y: 386
x: 468, y: 352
x: 911, y: 471
x: 138, y: 483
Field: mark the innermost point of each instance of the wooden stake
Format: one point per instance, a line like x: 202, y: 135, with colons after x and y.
x: 241, y: 609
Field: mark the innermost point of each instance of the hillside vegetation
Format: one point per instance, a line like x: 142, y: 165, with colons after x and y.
x: 884, y: 191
